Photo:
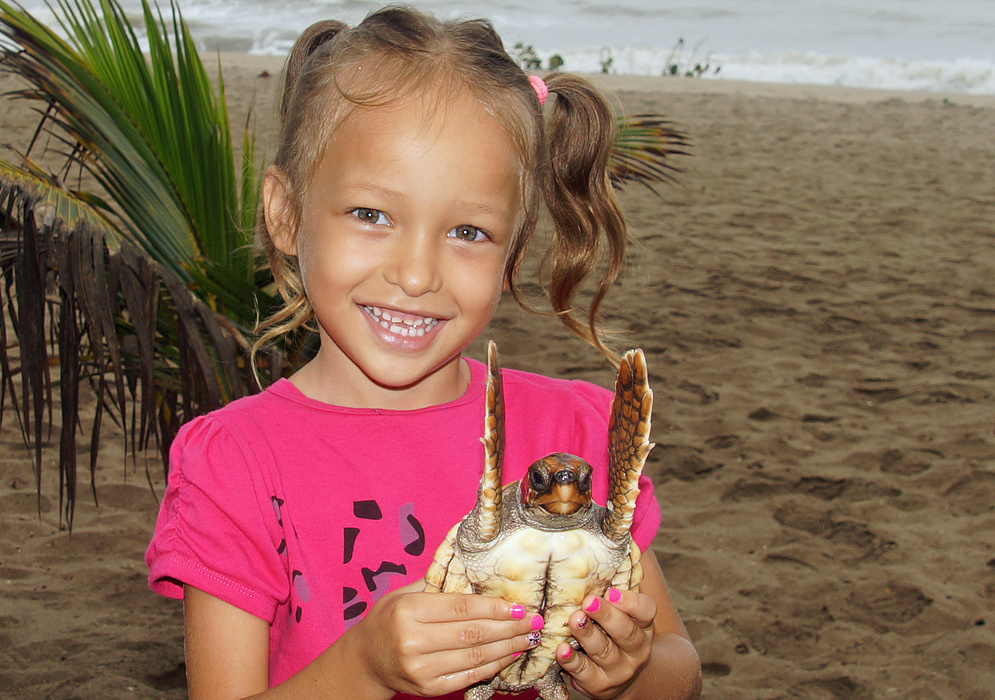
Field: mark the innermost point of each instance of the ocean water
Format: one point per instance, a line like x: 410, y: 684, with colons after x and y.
x: 940, y: 45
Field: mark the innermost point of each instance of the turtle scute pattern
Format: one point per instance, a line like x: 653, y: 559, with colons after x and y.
x: 541, y: 541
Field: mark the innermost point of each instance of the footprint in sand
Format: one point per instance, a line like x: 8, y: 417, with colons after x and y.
x: 896, y: 461
x: 856, y: 542
x: 885, y: 605
x: 972, y: 494
x: 681, y: 461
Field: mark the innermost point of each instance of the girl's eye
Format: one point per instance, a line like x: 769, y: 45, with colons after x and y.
x: 467, y: 233
x: 371, y: 216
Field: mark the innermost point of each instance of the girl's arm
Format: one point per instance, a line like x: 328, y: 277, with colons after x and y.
x: 227, y: 649
x: 420, y: 643
x: 639, y: 647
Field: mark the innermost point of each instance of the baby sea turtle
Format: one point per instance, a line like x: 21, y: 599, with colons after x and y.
x: 542, y: 542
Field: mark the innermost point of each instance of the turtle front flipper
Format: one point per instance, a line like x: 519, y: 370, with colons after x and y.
x: 489, y: 495
x: 628, y: 442
x: 446, y: 573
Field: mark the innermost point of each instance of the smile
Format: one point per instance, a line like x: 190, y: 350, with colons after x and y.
x: 402, y: 324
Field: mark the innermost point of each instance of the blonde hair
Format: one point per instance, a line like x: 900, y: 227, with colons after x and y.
x: 399, y: 51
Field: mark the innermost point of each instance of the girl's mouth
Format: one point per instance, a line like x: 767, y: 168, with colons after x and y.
x: 402, y: 324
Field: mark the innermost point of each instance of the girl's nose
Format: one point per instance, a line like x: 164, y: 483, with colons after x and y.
x: 413, y: 265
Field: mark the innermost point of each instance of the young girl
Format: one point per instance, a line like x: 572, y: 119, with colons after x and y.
x: 297, y: 524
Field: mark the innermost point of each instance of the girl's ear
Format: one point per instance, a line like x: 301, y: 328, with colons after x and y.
x: 278, y: 211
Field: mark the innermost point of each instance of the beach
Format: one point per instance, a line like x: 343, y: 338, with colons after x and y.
x: 816, y: 298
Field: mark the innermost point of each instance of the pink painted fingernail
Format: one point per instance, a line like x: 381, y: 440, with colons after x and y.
x: 518, y: 611
x: 614, y: 595
x: 516, y: 654
x: 594, y: 606
x: 566, y: 653
x: 538, y: 622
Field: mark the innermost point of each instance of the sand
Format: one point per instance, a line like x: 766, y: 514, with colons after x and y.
x: 817, y: 301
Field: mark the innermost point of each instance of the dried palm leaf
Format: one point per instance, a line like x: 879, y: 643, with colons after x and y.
x: 645, y: 148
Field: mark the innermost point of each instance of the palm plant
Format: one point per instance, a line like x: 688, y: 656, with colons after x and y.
x: 147, y: 283
x: 149, y: 289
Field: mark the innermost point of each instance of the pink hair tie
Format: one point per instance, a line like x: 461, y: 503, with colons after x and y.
x: 539, y: 85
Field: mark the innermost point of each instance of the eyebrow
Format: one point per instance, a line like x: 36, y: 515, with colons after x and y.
x: 394, y: 195
x: 374, y: 189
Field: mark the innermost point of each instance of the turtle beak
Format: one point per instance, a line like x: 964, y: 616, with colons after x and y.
x: 564, y: 499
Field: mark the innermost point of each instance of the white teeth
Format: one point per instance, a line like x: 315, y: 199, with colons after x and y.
x: 396, y: 324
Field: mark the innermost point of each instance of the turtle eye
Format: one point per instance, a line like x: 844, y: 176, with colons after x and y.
x: 539, y: 478
x: 584, y: 479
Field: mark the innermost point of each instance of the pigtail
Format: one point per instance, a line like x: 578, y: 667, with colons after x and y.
x: 588, y: 225
x: 306, y: 44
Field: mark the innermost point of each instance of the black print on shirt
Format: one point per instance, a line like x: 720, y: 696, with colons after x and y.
x: 378, y: 582
x: 277, y: 502
x: 402, y: 542
x: 352, y: 612
x: 412, y: 533
x: 367, y: 510
x: 349, y: 543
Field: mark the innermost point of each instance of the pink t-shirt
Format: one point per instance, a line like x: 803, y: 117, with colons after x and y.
x: 305, y: 514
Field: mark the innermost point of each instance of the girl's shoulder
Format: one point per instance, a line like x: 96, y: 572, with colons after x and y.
x: 552, y: 390
x: 244, y: 422
x: 532, y: 397
x: 281, y: 397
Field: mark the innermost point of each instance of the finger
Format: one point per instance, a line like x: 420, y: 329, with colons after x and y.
x: 487, y: 659
x: 583, y: 672
x: 616, y: 631
x: 593, y: 639
x: 451, y: 607
x: 519, y: 634
x: 463, y: 677
x: 640, y: 607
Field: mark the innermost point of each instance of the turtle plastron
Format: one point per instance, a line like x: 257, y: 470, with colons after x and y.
x: 542, y: 542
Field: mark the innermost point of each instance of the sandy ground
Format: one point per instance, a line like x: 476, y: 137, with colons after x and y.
x: 817, y: 301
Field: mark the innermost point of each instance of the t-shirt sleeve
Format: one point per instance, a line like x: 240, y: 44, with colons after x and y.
x: 216, y: 530
x: 593, y: 406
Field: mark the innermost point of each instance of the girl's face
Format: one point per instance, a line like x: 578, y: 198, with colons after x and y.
x: 404, y: 234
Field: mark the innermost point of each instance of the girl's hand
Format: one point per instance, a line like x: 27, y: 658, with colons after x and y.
x: 614, y: 650
x: 435, y: 643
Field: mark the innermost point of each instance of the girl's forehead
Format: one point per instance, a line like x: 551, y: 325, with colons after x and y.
x: 426, y: 114
x: 451, y: 158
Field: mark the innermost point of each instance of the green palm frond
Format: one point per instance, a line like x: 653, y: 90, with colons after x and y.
x: 155, y: 132
x: 645, y: 148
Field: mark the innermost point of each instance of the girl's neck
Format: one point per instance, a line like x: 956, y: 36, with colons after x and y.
x: 328, y: 381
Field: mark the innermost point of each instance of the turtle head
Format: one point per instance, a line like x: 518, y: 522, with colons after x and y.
x: 559, y: 483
